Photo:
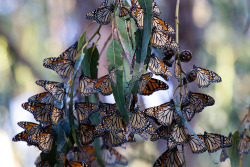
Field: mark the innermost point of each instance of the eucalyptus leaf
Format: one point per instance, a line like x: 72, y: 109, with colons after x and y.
x: 147, y: 7
x: 119, y: 95
x: 233, y: 151
x: 114, y: 54
x: 98, y: 152
x: 78, y: 64
x: 90, y: 62
x: 81, y: 42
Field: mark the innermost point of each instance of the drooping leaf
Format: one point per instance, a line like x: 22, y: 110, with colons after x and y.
x: 233, y: 151
x: 81, y: 42
x: 125, y: 35
x: 147, y: 7
x: 78, y: 63
x: 119, y: 94
x: 90, y: 62
x: 114, y: 54
x: 98, y: 152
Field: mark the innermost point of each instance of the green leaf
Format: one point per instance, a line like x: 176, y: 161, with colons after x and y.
x: 119, y: 95
x: 98, y: 152
x: 233, y: 151
x: 78, y: 63
x: 90, y: 62
x: 147, y: 7
x: 81, y: 42
x: 114, y: 54
x: 124, y: 34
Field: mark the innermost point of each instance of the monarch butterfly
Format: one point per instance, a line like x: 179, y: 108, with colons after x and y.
x: 164, y: 113
x: 197, y: 146
x: 214, y: 141
x: 62, y: 67
x: 44, y: 97
x: 137, y: 13
x: 162, y: 25
x: 155, y: 9
x: 24, y: 136
x: 27, y: 125
x: 195, y: 103
x: 200, y: 101
x: 103, y: 85
x: 70, y: 53
x: 84, y: 110
x: 86, y: 134
x: 56, y: 115
x: 157, y: 67
x: 144, y: 80
x: 160, y: 39
x: 40, y: 111
x: 244, y: 145
x: 56, y: 89
x: 86, y: 86
x: 163, y: 132
x: 115, y: 138
x: 33, y: 107
x: 41, y: 137
x: 111, y: 157
x: 188, y: 111
x: 206, y: 77
x: 223, y: 155
x: 107, y: 109
x: 178, y: 134
x: 42, y: 116
x: 152, y: 86
x: 113, y: 122
x: 45, y: 141
x: 138, y: 120
x: 104, y: 13
x: 123, y: 10
x: 170, y: 158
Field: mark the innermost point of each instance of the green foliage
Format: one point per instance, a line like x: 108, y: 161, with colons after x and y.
x: 233, y: 151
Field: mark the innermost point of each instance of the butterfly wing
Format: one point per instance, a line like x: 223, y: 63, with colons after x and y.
x: 152, y: 86
x: 70, y: 53
x: 56, y: 115
x: 162, y: 25
x: 86, y: 86
x: 86, y: 134
x: 62, y: 67
x: 111, y: 157
x: 196, y: 146
x: 103, y: 85
x: 44, y: 97
x: 206, y: 77
x: 170, y: 158
x: 84, y: 110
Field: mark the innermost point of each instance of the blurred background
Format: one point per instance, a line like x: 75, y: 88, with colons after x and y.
x: 216, y: 32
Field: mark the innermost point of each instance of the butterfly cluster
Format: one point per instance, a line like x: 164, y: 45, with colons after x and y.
x: 67, y: 111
